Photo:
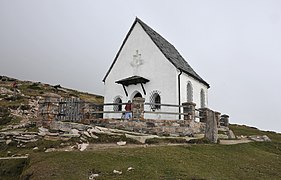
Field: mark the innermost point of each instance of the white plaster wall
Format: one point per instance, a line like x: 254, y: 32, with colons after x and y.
x: 160, y: 71
x: 196, y: 86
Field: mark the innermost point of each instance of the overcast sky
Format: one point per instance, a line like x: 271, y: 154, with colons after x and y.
x: 234, y: 45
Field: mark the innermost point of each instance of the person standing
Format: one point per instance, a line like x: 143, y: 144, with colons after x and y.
x: 128, y: 108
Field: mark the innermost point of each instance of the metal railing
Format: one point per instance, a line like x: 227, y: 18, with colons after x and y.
x: 152, y: 108
x: 75, y: 109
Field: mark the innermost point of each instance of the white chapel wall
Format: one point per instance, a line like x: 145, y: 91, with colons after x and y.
x: 196, y: 88
x: 161, y: 73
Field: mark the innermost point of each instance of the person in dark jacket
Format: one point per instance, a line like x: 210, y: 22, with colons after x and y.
x: 128, y: 108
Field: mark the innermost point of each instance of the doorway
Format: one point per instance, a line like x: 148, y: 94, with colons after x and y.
x: 138, y: 95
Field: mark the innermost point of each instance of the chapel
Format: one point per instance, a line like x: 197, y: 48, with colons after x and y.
x: 148, y: 66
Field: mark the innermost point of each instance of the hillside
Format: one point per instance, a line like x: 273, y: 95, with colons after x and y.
x: 76, y: 151
x: 19, y: 99
x: 255, y: 160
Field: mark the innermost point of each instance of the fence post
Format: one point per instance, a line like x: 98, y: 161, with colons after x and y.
x: 218, y: 116
x: 189, y: 107
x: 203, y: 114
x: 224, y: 121
x: 138, y: 107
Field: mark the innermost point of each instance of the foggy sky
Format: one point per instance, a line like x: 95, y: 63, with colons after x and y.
x: 234, y: 45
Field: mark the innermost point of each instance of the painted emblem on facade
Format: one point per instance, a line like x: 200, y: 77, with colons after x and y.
x: 137, y: 61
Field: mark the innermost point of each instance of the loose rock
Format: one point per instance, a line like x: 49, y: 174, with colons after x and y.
x: 117, y: 172
x: 130, y: 168
x: 92, y: 176
x: 121, y: 143
x: 83, y: 146
x: 257, y: 138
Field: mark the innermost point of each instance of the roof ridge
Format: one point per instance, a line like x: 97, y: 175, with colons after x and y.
x: 170, y: 52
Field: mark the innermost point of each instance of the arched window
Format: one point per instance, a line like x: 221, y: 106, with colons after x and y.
x: 189, y: 92
x: 155, y: 99
x: 117, y: 107
x: 202, y: 97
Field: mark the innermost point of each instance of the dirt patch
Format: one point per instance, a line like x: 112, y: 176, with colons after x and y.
x: 238, y: 141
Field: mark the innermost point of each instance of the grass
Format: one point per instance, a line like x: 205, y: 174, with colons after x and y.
x: 13, y: 102
x: 188, y: 161
x: 12, y: 169
x: 165, y: 140
x: 104, y: 138
x: 248, y: 131
x: 256, y: 160
x: 241, y: 161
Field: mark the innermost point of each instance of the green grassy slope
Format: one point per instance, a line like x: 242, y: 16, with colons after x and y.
x: 241, y: 161
x: 248, y: 131
x: 256, y: 160
x: 210, y: 161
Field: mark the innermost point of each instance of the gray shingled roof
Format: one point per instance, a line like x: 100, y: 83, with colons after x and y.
x: 166, y: 48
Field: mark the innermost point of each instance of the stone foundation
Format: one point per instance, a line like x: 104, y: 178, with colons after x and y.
x: 156, y: 127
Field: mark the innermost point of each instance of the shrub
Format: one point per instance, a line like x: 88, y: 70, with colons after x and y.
x: 5, y: 117
x: 35, y: 86
x: 13, y: 98
x: 199, y: 141
x: 25, y: 107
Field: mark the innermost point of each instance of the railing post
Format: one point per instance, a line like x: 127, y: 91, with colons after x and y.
x: 138, y: 108
x: 218, y: 116
x: 203, y: 114
x: 189, y: 107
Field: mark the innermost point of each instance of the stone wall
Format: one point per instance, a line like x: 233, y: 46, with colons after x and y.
x: 138, y: 107
x: 157, y: 127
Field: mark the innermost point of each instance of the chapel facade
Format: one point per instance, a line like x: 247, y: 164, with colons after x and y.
x: 148, y: 66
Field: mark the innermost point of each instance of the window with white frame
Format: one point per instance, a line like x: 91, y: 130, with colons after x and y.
x: 155, y: 99
x: 117, y: 107
x: 189, y: 91
x: 202, y: 98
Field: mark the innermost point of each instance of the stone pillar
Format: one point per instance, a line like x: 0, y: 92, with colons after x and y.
x: 203, y: 114
x: 138, y: 107
x: 224, y: 121
x: 211, y: 132
x: 189, y: 107
x: 218, y: 116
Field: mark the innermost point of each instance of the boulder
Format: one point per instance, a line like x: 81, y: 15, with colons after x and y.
x: 258, y: 138
x: 93, y: 176
x: 87, y: 134
x: 266, y: 138
x: 83, y: 146
x: 50, y: 150
x: 117, y: 172
x: 231, y: 135
x: 95, y: 130
x: 130, y: 168
x: 8, y: 141
x: 121, y: 143
x: 42, y: 129
x: 74, y: 132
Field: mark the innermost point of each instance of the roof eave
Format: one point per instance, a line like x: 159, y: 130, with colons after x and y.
x: 200, y: 80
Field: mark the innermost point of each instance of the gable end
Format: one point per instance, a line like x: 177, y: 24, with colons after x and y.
x: 166, y: 48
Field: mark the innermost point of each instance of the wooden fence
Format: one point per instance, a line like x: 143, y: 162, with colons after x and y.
x: 75, y: 110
